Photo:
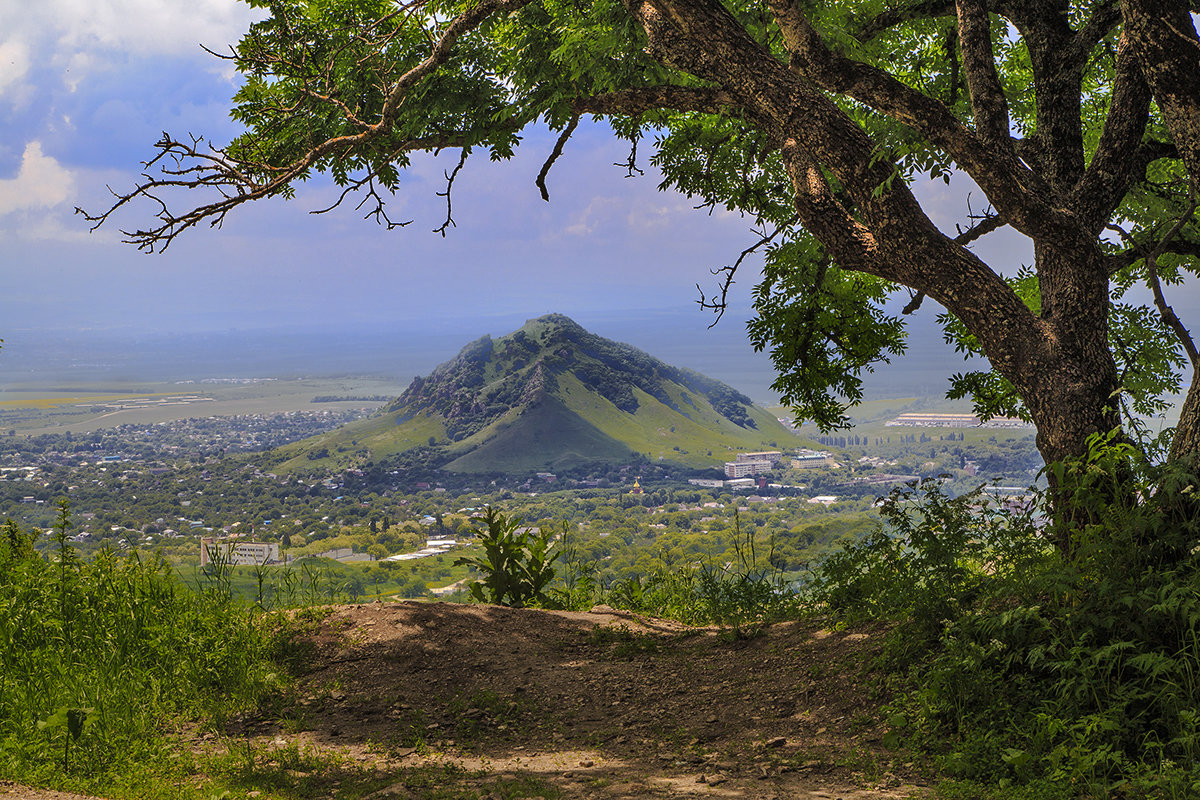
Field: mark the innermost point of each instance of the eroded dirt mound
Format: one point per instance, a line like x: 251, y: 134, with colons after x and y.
x: 596, y: 705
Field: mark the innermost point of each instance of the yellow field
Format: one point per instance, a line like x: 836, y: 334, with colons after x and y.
x: 58, y: 402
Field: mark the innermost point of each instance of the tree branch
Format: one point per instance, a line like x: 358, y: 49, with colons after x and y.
x: 186, y: 166
x: 1164, y: 37
x: 889, y: 18
x: 718, y: 302
x: 1021, y: 197
x: 462, y: 159
x: 979, y: 65
x: 630, y: 164
x: 1104, y: 19
x: 986, y: 224
x: 377, y: 209
x: 554, y: 154
x: 848, y: 241
x: 635, y: 102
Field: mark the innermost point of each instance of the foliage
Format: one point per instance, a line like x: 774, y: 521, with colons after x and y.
x: 516, y: 565
x: 742, y: 594
x: 1052, y: 670
x: 97, y: 658
x: 578, y: 587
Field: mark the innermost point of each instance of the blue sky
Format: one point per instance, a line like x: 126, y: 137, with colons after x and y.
x: 86, y: 88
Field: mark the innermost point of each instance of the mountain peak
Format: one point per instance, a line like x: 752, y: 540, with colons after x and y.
x: 553, y: 395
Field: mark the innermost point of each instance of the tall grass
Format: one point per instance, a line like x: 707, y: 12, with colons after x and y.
x: 100, y: 660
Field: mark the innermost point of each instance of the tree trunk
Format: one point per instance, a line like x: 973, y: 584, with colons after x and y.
x: 1167, y: 47
x: 1185, y: 446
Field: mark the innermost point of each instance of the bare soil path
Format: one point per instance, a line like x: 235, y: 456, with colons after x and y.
x: 598, y: 705
x: 440, y: 700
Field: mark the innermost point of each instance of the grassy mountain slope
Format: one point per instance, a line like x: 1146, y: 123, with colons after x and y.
x: 553, y: 396
x: 548, y: 436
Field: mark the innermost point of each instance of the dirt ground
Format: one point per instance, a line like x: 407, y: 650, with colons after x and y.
x: 502, y: 703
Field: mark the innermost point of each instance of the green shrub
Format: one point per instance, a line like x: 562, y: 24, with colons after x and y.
x: 741, y: 595
x: 1048, y: 661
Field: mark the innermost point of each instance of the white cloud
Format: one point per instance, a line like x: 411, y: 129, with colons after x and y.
x: 75, y: 37
x: 40, y: 183
x: 14, y: 64
x: 149, y: 26
x: 600, y: 213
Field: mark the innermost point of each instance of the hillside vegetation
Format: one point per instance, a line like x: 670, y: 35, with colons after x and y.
x: 552, y: 396
x: 956, y: 646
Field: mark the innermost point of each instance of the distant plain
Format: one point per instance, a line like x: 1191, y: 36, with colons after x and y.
x: 33, y: 409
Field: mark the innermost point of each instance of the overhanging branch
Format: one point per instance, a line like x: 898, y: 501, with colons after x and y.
x: 554, y: 154
x: 718, y: 302
x: 635, y: 102
x: 188, y: 165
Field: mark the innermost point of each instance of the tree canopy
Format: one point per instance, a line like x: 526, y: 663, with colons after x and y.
x: 1078, y: 121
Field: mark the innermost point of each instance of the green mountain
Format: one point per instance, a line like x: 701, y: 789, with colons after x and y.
x: 554, y: 396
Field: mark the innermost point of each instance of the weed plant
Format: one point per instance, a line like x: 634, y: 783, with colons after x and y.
x: 517, y: 565
x: 100, y: 659
x: 272, y: 588
x: 1038, y: 660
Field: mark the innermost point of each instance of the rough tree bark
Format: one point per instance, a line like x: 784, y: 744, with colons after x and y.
x: 1164, y: 38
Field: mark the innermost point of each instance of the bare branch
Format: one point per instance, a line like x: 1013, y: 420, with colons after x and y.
x: 987, y: 222
x: 450, y: 176
x: 630, y: 164
x: 188, y: 166
x: 378, y: 211
x: 554, y: 154
x: 718, y: 302
x: 1168, y: 314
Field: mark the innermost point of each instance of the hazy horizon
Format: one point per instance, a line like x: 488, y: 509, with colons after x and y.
x: 405, y: 348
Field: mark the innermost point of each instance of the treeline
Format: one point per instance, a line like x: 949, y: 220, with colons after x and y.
x: 347, y: 398
x: 854, y: 440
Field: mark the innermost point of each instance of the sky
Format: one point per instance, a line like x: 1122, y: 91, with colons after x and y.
x: 87, y: 87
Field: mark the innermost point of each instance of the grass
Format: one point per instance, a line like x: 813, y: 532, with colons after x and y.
x: 100, y: 661
x: 323, y: 581
x: 578, y: 426
x: 109, y: 667
x: 625, y: 644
